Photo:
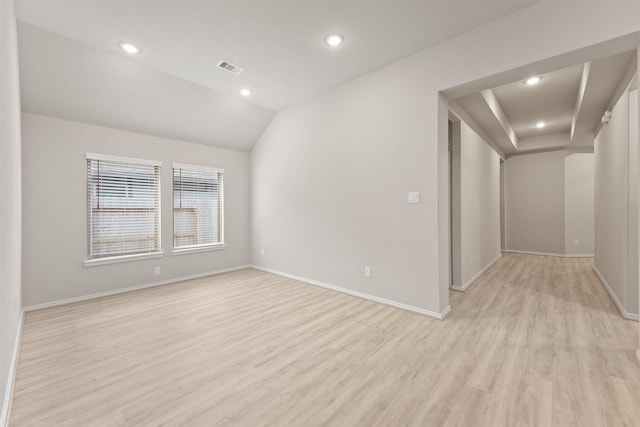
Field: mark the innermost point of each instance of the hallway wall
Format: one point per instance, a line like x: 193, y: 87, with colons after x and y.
x: 550, y: 203
x: 476, y: 207
x: 616, y: 198
x: 534, y: 200
x: 579, y: 225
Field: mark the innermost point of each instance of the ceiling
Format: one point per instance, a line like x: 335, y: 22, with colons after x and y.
x: 570, y: 101
x: 173, y: 86
x: 66, y: 79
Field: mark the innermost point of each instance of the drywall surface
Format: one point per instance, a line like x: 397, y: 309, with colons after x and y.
x: 550, y: 203
x: 634, y: 135
x: 330, y: 176
x: 456, y: 210
x: 479, y: 204
x: 535, y: 202
x: 503, y: 213
x: 612, y: 205
x: 329, y: 193
x: 544, y: 141
x: 633, y: 284
x: 578, y: 203
x: 10, y: 204
x: 54, y: 182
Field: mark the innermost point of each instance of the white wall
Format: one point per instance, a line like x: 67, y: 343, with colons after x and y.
x: 550, y: 203
x: 544, y: 141
x: 503, y: 210
x: 632, y: 226
x: 479, y: 206
x: 10, y: 204
x: 330, y: 176
x: 329, y: 192
x: 456, y: 210
x: 614, y: 202
x: 579, y: 203
x: 54, y: 183
x: 535, y: 202
x: 634, y: 134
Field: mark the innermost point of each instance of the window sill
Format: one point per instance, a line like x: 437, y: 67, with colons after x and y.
x: 122, y: 258
x: 197, y: 249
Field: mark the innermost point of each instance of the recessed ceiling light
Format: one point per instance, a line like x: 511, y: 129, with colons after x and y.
x: 130, y: 48
x: 533, y: 80
x: 540, y: 125
x: 334, y: 40
x: 245, y: 92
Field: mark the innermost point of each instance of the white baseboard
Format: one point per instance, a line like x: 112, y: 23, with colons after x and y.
x: 129, y: 289
x: 515, y: 251
x: 429, y: 313
x: 6, y: 405
x: 614, y: 297
x: 478, y: 274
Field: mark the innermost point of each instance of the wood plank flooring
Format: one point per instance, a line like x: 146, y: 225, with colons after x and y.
x: 536, y: 341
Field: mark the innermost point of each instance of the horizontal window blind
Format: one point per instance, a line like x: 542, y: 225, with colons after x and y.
x: 197, y: 207
x: 123, y: 207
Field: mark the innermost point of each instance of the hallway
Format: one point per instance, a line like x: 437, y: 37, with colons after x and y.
x: 551, y: 342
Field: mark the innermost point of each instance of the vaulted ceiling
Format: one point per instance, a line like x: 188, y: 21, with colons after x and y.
x: 72, y: 66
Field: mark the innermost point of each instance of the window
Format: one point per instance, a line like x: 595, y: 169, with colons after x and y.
x: 123, y: 206
x: 197, y: 207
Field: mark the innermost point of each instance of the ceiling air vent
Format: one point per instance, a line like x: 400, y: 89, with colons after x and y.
x: 232, y: 68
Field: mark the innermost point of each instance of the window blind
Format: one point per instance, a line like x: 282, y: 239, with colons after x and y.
x: 197, y: 207
x: 123, y: 206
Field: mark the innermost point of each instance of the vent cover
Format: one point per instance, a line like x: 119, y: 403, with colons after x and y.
x: 232, y: 68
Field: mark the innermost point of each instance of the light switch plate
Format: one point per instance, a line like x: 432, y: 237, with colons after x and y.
x: 414, y: 197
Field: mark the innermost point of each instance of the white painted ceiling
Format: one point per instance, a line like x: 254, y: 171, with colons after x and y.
x: 69, y: 80
x: 570, y: 100
x: 280, y: 43
x: 552, y: 101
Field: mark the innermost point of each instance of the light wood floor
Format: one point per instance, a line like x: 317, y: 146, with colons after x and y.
x: 536, y: 341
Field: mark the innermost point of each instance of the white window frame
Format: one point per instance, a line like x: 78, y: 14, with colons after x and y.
x: 202, y: 247
x: 124, y: 257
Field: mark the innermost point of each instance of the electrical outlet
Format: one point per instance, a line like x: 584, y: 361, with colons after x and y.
x: 156, y: 270
x: 367, y: 272
x: 576, y: 242
x: 261, y: 251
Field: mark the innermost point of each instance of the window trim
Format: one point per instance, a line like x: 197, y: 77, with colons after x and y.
x: 196, y: 168
x: 122, y: 258
x: 199, y: 248
x: 120, y: 159
x: 216, y: 246
x: 89, y: 262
